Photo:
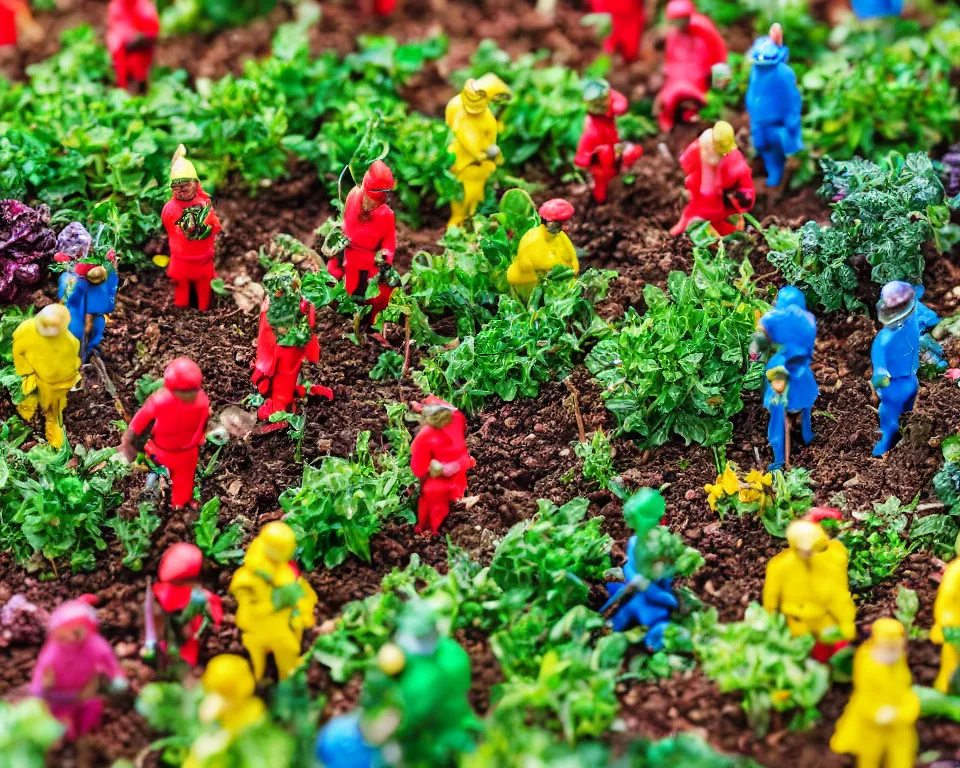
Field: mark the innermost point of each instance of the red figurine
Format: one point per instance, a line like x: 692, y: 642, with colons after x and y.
x: 171, y: 426
x: 600, y: 150
x: 719, y: 181
x: 132, y: 29
x: 370, y: 227
x: 693, y: 47
x: 439, y: 458
x: 628, y: 18
x: 179, y: 594
x: 16, y: 19
x: 192, y: 227
x: 378, y: 7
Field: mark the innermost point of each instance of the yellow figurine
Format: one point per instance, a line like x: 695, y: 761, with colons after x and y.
x: 47, y: 357
x: 946, y: 613
x: 474, y: 147
x: 268, y: 579
x: 497, y: 92
x: 879, y: 722
x: 543, y: 248
x: 808, y: 583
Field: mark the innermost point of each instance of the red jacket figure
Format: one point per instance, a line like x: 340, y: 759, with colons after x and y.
x: 628, y: 18
x: 132, y: 29
x: 693, y: 47
x: 171, y: 426
x: 600, y: 150
x: 370, y: 226
x: 192, y: 227
x: 15, y: 17
x: 719, y: 181
x: 439, y: 458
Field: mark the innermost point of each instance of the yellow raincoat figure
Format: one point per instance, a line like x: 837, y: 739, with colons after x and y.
x: 808, y: 583
x: 946, y: 613
x: 268, y: 578
x: 879, y: 723
x: 47, y: 357
x: 474, y: 147
x: 543, y: 248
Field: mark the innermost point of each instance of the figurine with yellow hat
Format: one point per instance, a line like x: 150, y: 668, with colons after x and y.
x: 498, y: 93
x: 543, y: 248
x: 879, y: 722
x: 474, y: 147
x: 192, y: 227
x: 808, y: 584
x: 46, y: 356
x: 719, y: 181
x: 946, y: 615
x: 275, y: 604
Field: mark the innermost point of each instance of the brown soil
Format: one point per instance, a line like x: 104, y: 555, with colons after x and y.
x: 523, y: 449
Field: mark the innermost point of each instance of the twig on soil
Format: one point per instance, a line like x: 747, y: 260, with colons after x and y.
x: 406, y: 348
x: 101, y: 369
x: 575, y: 395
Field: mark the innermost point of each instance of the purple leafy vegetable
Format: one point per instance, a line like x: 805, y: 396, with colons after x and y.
x: 26, y: 244
x: 951, y: 171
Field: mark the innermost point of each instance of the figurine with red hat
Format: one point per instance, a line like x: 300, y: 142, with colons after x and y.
x: 192, y: 227
x: 286, y: 339
x: 132, y: 30
x: 544, y: 247
x: 694, y: 48
x: 440, y: 460
x: 600, y: 150
x: 719, y: 181
x: 73, y: 661
x: 178, y: 608
x: 370, y: 228
x: 628, y: 18
x: 171, y: 426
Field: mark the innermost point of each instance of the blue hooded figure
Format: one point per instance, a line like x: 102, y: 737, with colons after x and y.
x: 791, y: 386
x: 896, y: 357
x: 875, y: 9
x: 340, y: 744
x: 774, y: 104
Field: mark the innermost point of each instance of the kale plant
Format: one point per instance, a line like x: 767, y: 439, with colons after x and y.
x: 222, y: 546
x: 27, y: 731
x: 27, y: 243
x: 878, y: 544
x: 938, y: 531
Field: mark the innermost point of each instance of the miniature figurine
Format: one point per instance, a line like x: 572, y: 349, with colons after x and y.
x: 371, y: 229
x: 543, y: 248
x: 275, y: 604
x: 88, y: 287
x: 440, y: 460
x: 47, y: 358
x: 791, y: 387
x: 896, y: 358
x: 16, y: 20
x: 600, y: 150
x: 645, y: 596
x: 183, y: 607
x: 192, y: 227
x: 171, y: 426
x: 474, y: 147
x: 693, y: 48
x: 719, y: 181
x: 341, y: 744
x: 628, y: 18
x: 132, y: 30
x: 498, y: 93
x: 71, y: 664
x: 875, y: 9
x: 808, y: 584
x: 774, y: 104
x: 285, y: 340
x: 879, y: 722
x: 378, y: 7
x: 415, y: 700
x: 946, y: 615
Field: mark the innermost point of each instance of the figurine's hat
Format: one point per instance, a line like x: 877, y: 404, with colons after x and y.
x: 74, y: 240
x: 886, y: 629
x: 680, y: 9
x: 73, y: 613
x: 182, y: 375
x: 557, y: 209
x: 897, y: 300
x: 645, y: 509
x: 181, y: 561
x: 280, y: 539
x: 494, y: 87
x: 52, y: 320
x: 769, y: 49
x: 378, y: 181
x: 724, y: 141
x: 182, y: 169
x: 230, y: 676
x: 474, y: 97
x: 596, y: 91
x: 790, y: 296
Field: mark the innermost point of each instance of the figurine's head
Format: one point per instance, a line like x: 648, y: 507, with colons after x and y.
x: 806, y: 538
x: 73, y: 620
x: 888, y: 641
x: 679, y: 12
x: 182, y: 562
x: 474, y: 98
x: 497, y: 91
x: 596, y: 95
x: 74, y: 241
x: 790, y: 296
x: 768, y: 51
x: 378, y: 182
x: 644, y: 510
x: 184, y: 378
x: 724, y: 141
x: 898, y: 299
x: 417, y: 628
x: 554, y: 213
x: 279, y: 542
x: 52, y: 320
x: 183, y: 176
x: 229, y: 676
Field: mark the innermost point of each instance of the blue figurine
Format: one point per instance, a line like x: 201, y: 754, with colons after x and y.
x: 875, y: 9
x: 645, y: 597
x: 88, y: 286
x: 340, y: 744
x: 931, y: 351
x: 896, y: 358
x: 774, y: 104
x: 791, y: 386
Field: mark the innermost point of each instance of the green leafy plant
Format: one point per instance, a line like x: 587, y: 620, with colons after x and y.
x: 877, y: 542
x: 10, y: 319
x: 907, y: 607
x: 777, y: 498
x: 389, y: 366
x: 186, y: 16
x: 27, y: 731
x: 597, y: 457
x: 135, y: 534
x: 220, y: 546
x: 938, y: 531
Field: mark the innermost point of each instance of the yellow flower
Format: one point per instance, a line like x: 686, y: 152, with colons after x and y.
x: 729, y: 480
x: 749, y: 495
x: 714, y: 492
x: 759, y: 479
x: 780, y: 697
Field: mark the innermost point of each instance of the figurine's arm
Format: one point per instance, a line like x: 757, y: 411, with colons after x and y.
x: 795, y: 102
x: 200, y: 436
x: 306, y: 605
x: 586, y: 146
x: 421, y: 454
x: 618, y: 103
x: 657, y: 595
x: 571, y: 255
x: 522, y: 271
x: 388, y: 246
x: 945, y: 613
x: 213, y: 221
x: 21, y: 347
x: 878, y: 356
x: 773, y: 586
x: 471, y: 136
x: 703, y: 28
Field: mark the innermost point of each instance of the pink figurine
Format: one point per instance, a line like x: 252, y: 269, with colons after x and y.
x: 71, y: 663
x: 628, y: 18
